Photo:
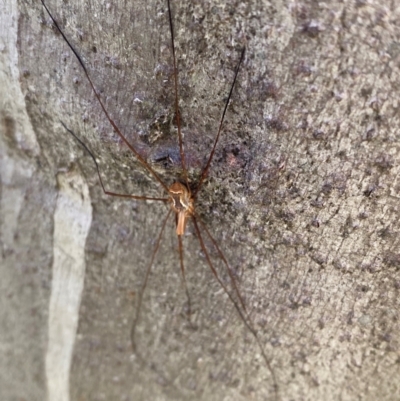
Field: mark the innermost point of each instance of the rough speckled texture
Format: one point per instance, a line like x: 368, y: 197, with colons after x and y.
x: 303, y: 197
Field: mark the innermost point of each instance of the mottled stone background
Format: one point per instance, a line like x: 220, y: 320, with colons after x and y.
x: 302, y: 197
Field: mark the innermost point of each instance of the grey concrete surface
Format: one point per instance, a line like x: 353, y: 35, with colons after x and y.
x: 302, y: 197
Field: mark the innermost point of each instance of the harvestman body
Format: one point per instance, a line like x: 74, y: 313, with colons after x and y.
x: 180, y: 197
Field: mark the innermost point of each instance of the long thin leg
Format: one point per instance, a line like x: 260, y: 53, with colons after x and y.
x: 222, y: 256
x: 207, y: 167
x: 184, y: 275
x: 178, y: 117
x: 116, y: 129
x: 144, y: 284
x: 98, y: 173
x: 246, y: 320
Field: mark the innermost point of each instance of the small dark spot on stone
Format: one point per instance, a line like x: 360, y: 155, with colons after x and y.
x: 386, y: 337
x: 370, y: 134
x: 363, y: 215
x: 318, y: 135
x: 293, y: 304
x: 113, y: 62
x: 327, y: 188
x: 350, y: 317
x: 312, y: 28
x: 315, y: 223
x: 361, y: 3
x: 385, y: 233
x: 384, y: 162
x: 366, y: 92
x: 276, y: 124
x: 392, y: 259
x: 363, y: 288
x: 275, y: 342
x: 319, y: 259
x: 369, y: 190
x: 318, y: 203
x: 270, y: 90
x: 9, y: 127
x: 286, y: 215
x: 302, y: 68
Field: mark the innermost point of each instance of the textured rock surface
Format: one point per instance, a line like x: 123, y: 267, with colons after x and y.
x: 303, y: 198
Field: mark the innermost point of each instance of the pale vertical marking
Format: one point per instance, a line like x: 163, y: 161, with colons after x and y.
x: 72, y: 219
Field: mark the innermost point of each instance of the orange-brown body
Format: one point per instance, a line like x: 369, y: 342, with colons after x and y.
x: 182, y: 205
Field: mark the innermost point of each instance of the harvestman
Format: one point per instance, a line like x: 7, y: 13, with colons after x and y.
x: 180, y: 196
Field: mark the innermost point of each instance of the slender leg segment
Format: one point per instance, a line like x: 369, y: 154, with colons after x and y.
x: 101, y: 180
x: 243, y: 314
x: 207, y: 167
x: 184, y: 282
x: 178, y: 117
x: 116, y: 129
x: 144, y: 284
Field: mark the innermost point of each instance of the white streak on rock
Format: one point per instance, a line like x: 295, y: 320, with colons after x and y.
x: 72, y: 221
